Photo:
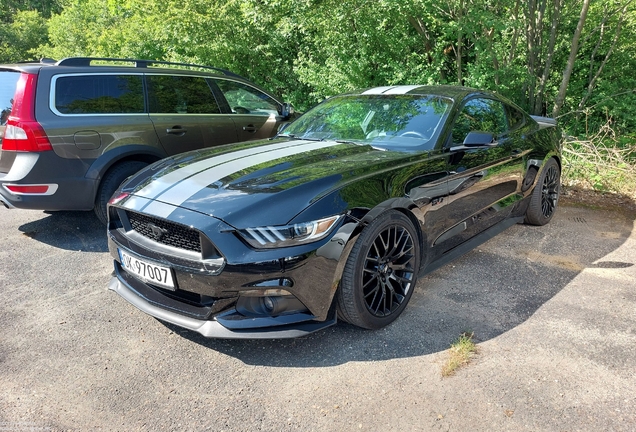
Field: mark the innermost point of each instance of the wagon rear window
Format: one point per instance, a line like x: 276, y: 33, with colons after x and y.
x: 99, y: 94
x: 8, y: 81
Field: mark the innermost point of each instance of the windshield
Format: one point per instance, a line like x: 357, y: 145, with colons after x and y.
x: 395, y: 122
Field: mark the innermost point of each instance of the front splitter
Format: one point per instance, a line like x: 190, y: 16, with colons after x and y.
x: 212, y: 328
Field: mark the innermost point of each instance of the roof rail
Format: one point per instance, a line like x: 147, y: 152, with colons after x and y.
x: 86, y: 61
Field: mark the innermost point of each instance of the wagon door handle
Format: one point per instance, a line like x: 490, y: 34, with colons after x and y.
x: 250, y: 128
x: 176, y: 130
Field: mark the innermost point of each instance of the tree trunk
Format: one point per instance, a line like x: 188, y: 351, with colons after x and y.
x: 495, y: 62
x: 515, y: 37
x: 421, y: 29
x: 459, y: 43
x: 560, y: 99
x: 592, y: 80
x: 556, y: 17
x: 532, y: 55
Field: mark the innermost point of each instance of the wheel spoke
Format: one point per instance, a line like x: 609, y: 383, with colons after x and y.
x: 373, y: 278
x: 405, y: 266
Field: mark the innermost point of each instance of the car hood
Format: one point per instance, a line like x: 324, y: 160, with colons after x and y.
x: 273, y: 179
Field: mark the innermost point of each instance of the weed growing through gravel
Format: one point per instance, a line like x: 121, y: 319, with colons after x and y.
x: 459, y: 354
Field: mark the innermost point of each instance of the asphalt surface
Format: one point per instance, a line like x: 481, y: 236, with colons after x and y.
x: 553, y: 310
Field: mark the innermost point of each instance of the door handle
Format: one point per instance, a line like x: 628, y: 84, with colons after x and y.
x: 176, y: 130
x: 250, y: 128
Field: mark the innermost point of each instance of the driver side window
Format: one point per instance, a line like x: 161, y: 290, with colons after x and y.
x: 480, y: 115
x: 244, y: 99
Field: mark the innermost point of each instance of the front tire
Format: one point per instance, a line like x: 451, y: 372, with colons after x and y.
x: 110, y: 182
x: 381, y: 271
x: 545, y: 196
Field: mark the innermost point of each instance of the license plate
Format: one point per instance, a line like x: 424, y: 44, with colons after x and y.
x: 147, y: 271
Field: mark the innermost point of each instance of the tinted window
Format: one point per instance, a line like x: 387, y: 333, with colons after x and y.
x: 8, y: 80
x: 515, y: 117
x: 385, y: 121
x: 482, y: 115
x: 99, y: 94
x: 181, y: 95
x: 244, y: 99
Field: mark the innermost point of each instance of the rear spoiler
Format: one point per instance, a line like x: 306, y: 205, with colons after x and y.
x: 544, y: 122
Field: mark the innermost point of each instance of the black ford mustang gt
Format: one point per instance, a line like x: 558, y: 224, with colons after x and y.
x: 336, y: 217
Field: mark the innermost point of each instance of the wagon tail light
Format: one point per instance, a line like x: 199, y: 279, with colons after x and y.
x: 23, y: 133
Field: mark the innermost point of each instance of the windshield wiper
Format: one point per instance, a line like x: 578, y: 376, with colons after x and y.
x: 292, y: 136
x: 296, y: 137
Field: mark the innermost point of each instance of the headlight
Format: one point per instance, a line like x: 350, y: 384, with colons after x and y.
x: 289, y: 235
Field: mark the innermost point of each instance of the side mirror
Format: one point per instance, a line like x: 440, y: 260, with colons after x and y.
x: 476, y: 139
x: 287, y: 110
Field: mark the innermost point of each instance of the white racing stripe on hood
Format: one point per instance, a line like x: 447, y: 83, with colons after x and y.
x: 189, y: 187
x: 159, y: 209
x: 161, y: 184
x: 136, y: 203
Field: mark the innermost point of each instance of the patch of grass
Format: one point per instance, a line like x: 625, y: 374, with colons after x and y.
x: 459, y: 354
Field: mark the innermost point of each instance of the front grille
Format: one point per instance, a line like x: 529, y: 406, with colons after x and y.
x: 165, y: 232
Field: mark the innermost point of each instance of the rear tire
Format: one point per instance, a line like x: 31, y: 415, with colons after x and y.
x: 545, y: 196
x: 381, y: 271
x: 110, y: 182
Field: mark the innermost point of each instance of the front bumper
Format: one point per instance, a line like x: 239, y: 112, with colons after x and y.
x: 213, y: 295
x: 213, y: 328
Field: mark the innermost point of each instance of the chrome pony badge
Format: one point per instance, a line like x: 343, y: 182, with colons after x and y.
x: 157, y: 232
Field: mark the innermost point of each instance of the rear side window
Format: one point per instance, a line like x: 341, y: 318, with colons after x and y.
x: 515, y: 117
x: 8, y: 81
x: 180, y: 95
x: 99, y: 94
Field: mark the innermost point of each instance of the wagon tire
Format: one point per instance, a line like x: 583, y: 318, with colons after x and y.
x: 110, y: 182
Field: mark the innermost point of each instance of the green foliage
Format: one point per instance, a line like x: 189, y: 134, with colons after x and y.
x: 307, y: 50
x: 20, y: 38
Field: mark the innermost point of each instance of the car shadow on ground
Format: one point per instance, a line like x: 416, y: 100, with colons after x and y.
x: 488, y: 292
x: 69, y: 230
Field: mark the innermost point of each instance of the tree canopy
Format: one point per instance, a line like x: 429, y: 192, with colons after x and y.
x: 568, y: 59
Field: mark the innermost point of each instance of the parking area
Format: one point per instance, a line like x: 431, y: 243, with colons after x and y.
x: 553, y: 310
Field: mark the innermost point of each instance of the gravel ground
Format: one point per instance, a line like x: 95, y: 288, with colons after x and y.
x: 553, y: 310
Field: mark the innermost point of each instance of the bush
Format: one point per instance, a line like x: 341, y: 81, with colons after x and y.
x: 602, y: 162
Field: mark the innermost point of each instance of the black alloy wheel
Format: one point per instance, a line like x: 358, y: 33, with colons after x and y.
x: 381, y: 272
x: 545, y: 196
x: 550, y: 191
